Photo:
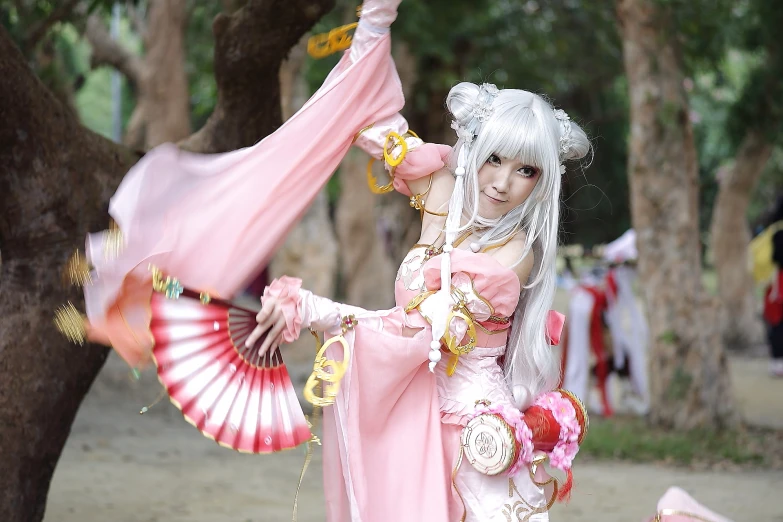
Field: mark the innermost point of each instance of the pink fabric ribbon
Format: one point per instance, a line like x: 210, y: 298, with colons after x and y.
x: 554, y: 327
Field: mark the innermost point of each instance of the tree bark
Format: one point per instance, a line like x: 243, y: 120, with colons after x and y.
x: 163, y: 89
x: 689, y: 376
x: 55, y: 181
x: 740, y: 322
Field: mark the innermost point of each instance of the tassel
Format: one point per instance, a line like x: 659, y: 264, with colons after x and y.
x: 70, y: 323
x: 336, y: 40
x: 564, y: 495
x: 77, y: 270
x: 452, y: 366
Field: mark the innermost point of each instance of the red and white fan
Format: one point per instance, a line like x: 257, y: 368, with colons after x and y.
x: 233, y: 396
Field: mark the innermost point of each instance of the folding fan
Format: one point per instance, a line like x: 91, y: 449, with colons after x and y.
x: 231, y: 394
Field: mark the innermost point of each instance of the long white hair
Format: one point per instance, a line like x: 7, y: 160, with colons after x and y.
x: 521, y: 125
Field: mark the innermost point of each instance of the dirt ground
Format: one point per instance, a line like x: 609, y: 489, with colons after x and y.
x: 119, y: 466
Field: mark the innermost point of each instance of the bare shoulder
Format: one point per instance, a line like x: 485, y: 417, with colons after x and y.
x: 442, y: 187
x: 508, y: 255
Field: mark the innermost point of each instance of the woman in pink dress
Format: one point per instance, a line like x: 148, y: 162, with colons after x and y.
x: 471, y: 333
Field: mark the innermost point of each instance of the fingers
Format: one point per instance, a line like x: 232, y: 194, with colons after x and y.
x: 266, y: 313
x: 254, y: 336
x: 272, y: 340
x: 265, y: 318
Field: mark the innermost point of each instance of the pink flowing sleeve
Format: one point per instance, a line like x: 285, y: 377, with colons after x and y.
x: 214, y: 221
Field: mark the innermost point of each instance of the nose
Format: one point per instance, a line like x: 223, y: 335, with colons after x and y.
x: 502, y: 180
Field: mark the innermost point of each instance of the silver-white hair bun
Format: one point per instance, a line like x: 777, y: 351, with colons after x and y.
x: 461, y: 101
x: 463, y: 98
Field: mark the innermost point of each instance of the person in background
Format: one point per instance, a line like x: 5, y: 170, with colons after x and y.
x: 773, y: 296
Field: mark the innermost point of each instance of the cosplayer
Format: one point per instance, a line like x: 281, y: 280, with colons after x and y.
x: 625, y: 319
x: 608, y: 299
x: 766, y: 251
x: 440, y: 409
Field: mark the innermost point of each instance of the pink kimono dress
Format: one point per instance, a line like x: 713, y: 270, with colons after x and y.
x: 392, y: 439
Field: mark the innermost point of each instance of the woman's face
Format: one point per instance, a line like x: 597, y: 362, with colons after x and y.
x: 504, y: 184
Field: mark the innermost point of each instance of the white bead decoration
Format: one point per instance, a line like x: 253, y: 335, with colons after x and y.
x: 434, y: 354
x: 459, y: 171
x: 475, y: 247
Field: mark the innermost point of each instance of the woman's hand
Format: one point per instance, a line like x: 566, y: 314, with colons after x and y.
x: 271, y: 320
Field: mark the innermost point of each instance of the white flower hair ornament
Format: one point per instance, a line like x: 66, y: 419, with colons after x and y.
x: 566, y: 142
x: 480, y: 113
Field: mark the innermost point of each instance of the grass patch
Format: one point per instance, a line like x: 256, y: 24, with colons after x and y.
x: 631, y: 439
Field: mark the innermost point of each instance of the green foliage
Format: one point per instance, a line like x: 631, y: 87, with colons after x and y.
x: 199, y: 65
x: 741, y: 89
x: 668, y: 337
x: 760, y: 103
x: 93, y: 100
x: 631, y: 439
x: 702, y: 28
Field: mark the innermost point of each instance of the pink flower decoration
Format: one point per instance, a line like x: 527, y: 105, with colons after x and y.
x: 562, y: 455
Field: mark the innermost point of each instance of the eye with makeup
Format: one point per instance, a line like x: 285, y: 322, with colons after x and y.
x: 494, y: 160
x: 527, y: 171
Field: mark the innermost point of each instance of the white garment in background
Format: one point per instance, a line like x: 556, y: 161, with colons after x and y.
x: 629, y: 332
x: 577, y: 350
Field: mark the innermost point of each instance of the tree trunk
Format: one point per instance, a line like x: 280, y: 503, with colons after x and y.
x: 740, y: 322
x: 689, y: 376
x: 55, y: 181
x: 163, y: 86
x: 398, y: 222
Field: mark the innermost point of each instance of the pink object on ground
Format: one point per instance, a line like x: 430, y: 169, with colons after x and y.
x: 676, y: 505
